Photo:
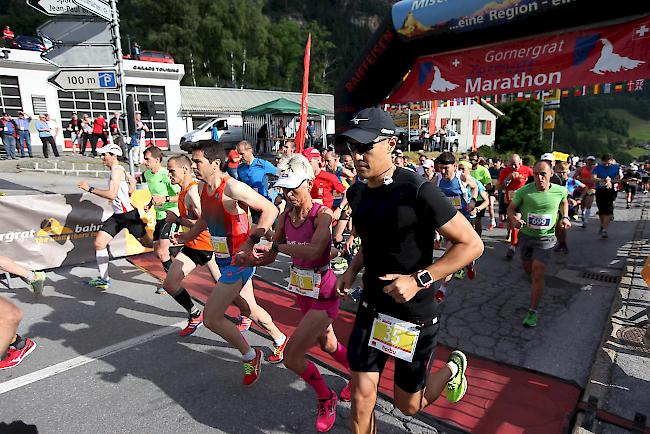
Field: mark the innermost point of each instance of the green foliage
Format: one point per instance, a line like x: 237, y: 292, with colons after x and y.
x: 518, y: 129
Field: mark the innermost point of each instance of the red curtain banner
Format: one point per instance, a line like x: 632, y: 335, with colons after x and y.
x: 304, y: 105
x: 599, y: 55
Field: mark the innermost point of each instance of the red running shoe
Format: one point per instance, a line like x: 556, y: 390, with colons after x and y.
x: 346, y: 393
x: 15, y: 356
x: 278, y: 352
x: 253, y: 369
x: 244, y: 323
x: 471, y: 271
x: 192, y: 325
x: 326, y: 413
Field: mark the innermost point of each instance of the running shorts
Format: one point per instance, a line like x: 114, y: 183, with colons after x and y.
x: 328, y: 299
x: 631, y: 188
x: 410, y: 377
x: 234, y: 273
x: 605, y: 201
x: 199, y: 257
x: 129, y: 220
x: 536, y: 249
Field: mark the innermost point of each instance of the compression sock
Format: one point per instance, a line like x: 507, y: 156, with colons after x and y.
x: 341, y: 355
x: 102, y: 263
x: 183, y: 298
x: 167, y: 265
x: 514, y: 235
x: 315, y: 380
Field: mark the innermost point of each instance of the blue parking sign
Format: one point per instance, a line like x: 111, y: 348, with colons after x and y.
x: 107, y: 79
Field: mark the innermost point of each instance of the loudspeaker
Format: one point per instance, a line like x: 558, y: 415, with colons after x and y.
x: 130, y: 114
x: 147, y: 109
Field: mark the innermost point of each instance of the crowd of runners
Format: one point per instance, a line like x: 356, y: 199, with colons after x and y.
x: 369, y: 210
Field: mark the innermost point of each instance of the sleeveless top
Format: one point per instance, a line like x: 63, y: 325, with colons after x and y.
x: 303, y: 235
x: 221, y: 223
x: 586, y: 178
x: 202, y: 242
x: 122, y: 202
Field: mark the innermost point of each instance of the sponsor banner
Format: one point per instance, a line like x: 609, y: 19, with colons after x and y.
x: 573, y: 59
x: 54, y: 230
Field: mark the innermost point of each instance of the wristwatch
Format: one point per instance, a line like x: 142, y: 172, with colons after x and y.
x: 567, y: 218
x: 90, y: 189
x: 275, y: 247
x: 423, y: 279
x: 166, y: 198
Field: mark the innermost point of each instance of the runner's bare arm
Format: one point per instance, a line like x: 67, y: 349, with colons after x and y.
x: 245, y: 194
x: 486, y: 201
x: 195, y: 230
x: 116, y: 178
x: 320, y: 241
x: 132, y: 183
x: 513, y: 209
x: 345, y: 281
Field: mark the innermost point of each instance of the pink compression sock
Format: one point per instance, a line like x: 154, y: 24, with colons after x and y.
x: 314, y: 379
x: 341, y: 355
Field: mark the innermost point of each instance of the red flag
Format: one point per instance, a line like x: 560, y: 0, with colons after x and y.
x: 433, y: 114
x: 302, y: 130
x: 475, y: 128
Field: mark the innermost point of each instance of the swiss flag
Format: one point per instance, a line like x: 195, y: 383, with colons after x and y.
x: 642, y: 31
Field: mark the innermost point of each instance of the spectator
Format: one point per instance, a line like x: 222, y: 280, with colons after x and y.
x: 9, y: 135
x: 116, y: 132
x: 24, y: 138
x: 233, y: 163
x: 136, y: 51
x: 45, y: 132
x: 137, y: 140
x: 99, y: 132
x: 254, y: 172
x: 75, y: 128
x: 87, y: 131
x: 262, y: 136
x: 311, y: 133
x: 8, y: 37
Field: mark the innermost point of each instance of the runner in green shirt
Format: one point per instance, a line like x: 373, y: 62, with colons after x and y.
x: 482, y: 174
x: 541, y: 205
x: 164, y: 197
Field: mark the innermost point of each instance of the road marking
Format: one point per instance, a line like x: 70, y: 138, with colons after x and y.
x: 79, y: 361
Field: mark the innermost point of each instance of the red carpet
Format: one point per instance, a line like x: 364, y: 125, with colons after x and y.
x: 500, y: 398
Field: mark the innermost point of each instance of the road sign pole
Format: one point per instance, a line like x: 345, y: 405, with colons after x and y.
x: 115, y: 23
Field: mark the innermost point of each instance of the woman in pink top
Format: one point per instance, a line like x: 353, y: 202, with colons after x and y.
x: 303, y: 232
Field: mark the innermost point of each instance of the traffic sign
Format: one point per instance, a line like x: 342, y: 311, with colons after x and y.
x: 55, y: 8
x: 88, y: 56
x: 73, y: 31
x: 84, y: 79
x: 97, y: 7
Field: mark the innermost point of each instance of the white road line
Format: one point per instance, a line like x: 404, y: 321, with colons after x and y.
x: 280, y: 270
x: 76, y: 362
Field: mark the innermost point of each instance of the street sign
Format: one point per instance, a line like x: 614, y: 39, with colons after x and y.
x: 55, y: 8
x: 84, y: 79
x: 88, y: 56
x: 73, y: 31
x: 97, y: 7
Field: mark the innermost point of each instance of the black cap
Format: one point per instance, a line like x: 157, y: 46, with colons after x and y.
x: 369, y: 124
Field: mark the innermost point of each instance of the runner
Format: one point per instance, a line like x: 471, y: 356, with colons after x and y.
x: 482, y: 175
x: 497, y: 194
x: 125, y: 216
x: 14, y: 348
x: 164, y: 197
x: 511, y: 179
x: 224, y: 212
x: 303, y: 232
x: 606, y: 175
x: 536, y: 209
x: 333, y: 166
x: 325, y: 184
x: 631, y: 181
x: 645, y: 179
x: 586, y: 176
x: 398, y: 292
x: 571, y: 185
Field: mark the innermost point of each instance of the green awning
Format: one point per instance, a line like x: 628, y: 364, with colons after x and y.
x: 280, y: 106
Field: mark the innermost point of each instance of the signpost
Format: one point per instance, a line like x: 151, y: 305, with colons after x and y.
x: 57, y: 8
x: 84, y: 79
x: 97, y: 7
x: 73, y: 31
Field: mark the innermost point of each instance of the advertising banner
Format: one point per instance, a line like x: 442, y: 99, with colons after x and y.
x: 601, y: 55
x: 54, y: 230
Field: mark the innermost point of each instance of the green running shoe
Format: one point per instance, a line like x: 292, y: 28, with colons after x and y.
x: 460, y: 274
x: 37, y: 283
x: 530, y: 320
x: 100, y: 283
x: 457, y: 385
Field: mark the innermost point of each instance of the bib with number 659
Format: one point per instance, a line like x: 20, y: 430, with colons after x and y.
x: 394, y: 337
x: 539, y: 221
x: 220, y: 247
x: 304, y: 282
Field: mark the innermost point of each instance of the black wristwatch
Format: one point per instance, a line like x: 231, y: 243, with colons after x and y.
x: 423, y: 279
x: 254, y: 238
x: 275, y: 247
x: 90, y: 189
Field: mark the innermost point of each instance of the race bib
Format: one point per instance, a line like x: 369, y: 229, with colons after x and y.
x: 304, y: 282
x: 220, y: 247
x: 539, y: 221
x: 456, y: 201
x: 394, y: 337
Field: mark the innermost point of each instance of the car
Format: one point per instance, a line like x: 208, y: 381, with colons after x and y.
x: 230, y: 132
x: 31, y: 43
x: 156, y: 56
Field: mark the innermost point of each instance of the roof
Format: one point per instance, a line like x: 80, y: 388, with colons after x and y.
x: 280, y: 106
x: 216, y: 100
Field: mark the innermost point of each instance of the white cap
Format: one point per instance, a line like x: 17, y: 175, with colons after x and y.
x: 291, y: 179
x: 591, y: 157
x: 548, y: 157
x: 634, y: 166
x: 428, y: 163
x: 111, y: 148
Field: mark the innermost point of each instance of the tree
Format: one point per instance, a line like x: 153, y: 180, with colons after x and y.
x: 518, y: 129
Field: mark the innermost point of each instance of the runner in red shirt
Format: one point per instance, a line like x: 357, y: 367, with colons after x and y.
x: 511, y: 179
x: 325, y: 183
x: 587, y: 178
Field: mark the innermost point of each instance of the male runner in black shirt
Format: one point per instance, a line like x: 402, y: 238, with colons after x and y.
x: 396, y: 213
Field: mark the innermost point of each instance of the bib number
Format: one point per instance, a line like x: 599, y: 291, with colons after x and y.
x: 220, y: 247
x: 456, y: 202
x: 394, y: 337
x: 539, y: 221
x: 305, y: 283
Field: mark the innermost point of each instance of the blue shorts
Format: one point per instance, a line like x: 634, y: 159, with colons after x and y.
x: 234, y: 273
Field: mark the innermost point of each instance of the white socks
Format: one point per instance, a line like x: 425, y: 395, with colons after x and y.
x: 280, y: 341
x: 102, y: 263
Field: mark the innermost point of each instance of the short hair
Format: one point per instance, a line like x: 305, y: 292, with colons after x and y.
x: 155, y: 152
x: 446, y: 158
x: 473, y: 154
x: 543, y: 162
x: 562, y: 165
x: 296, y: 163
x: 607, y: 156
x: 181, y: 160
x: 246, y: 144
x: 212, y: 151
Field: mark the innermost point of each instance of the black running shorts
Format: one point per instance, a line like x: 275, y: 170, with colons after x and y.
x: 130, y: 220
x: 605, y: 201
x: 410, y: 377
x: 199, y: 257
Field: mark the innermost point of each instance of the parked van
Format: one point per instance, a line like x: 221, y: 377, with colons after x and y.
x: 229, y: 131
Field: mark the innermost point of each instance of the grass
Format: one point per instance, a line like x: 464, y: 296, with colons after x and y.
x: 639, y: 128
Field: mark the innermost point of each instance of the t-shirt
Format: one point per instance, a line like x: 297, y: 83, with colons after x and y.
x: 585, y: 176
x: 324, y: 184
x: 159, y: 184
x: 601, y: 171
x: 494, y: 172
x: 539, y: 209
x: 482, y: 174
x: 632, y: 177
x: 397, y: 224
x: 256, y: 175
x: 98, y: 125
x: 515, y: 184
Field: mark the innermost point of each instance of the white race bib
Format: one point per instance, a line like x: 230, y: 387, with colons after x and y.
x: 220, y: 247
x: 456, y: 201
x: 304, y: 282
x: 394, y: 337
x: 539, y: 221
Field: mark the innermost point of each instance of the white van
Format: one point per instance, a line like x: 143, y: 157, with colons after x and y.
x: 230, y: 132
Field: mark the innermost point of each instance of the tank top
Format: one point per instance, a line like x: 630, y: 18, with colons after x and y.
x: 458, y: 194
x: 585, y: 177
x: 303, y: 235
x: 202, y: 242
x: 234, y: 227
x: 122, y: 202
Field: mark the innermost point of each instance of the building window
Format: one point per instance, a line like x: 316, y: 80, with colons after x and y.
x: 485, y: 127
x: 39, y: 105
x: 10, y: 101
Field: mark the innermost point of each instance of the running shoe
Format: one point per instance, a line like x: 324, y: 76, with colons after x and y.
x: 603, y: 234
x: 600, y: 231
x: 339, y: 264
x: 491, y: 227
x: 278, y: 352
x: 457, y: 385
x: 160, y: 290
x: 326, y: 413
x: 471, y: 271
x: 346, y: 393
x: 439, y: 296
x: 511, y: 252
x: 100, y: 283
x: 562, y: 248
x: 460, y: 274
x: 244, y: 323
x: 15, y: 356
x: 253, y: 369
x: 193, y: 324
x: 628, y: 206
x: 530, y: 320
x: 584, y: 223
x: 38, y: 282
